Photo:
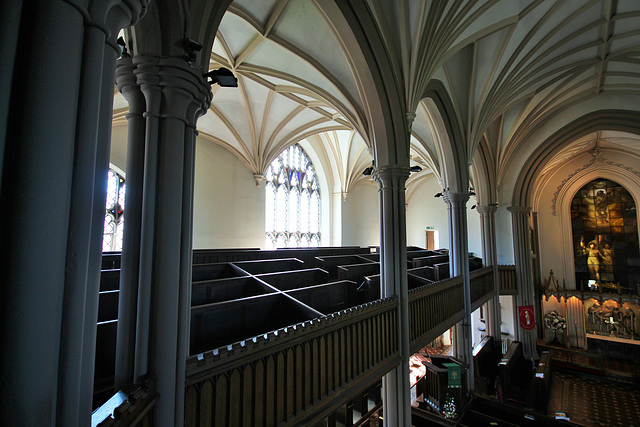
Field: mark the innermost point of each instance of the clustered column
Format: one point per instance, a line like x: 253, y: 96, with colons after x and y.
x: 60, y: 114
x: 488, y: 224
x: 524, y: 273
x: 166, y: 97
x: 393, y: 273
x: 459, y: 266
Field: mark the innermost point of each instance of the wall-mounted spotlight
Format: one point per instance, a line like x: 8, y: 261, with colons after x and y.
x: 474, y: 206
x: 438, y: 195
x: 223, y: 76
x: 416, y: 168
x: 471, y: 192
x: 493, y: 204
x: 191, y: 49
x: 368, y: 171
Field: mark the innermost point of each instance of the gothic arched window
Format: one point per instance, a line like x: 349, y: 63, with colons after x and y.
x: 114, y: 213
x: 605, y: 238
x: 292, y: 216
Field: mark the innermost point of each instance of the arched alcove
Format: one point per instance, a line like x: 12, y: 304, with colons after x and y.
x: 624, y: 177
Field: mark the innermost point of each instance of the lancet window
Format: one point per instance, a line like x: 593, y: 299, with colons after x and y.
x: 292, y: 217
x: 114, y: 213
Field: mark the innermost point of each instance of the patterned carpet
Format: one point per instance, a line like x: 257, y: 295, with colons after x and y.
x: 595, y: 402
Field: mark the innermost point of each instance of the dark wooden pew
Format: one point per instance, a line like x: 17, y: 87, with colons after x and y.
x: 357, y: 272
x: 542, y: 382
x: 219, y: 324
x: 514, y: 374
x: 211, y: 291
x: 215, y: 271
x: 442, y: 271
x: 426, y: 272
x: 329, y: 297
x: 270, y: 265
x: 331, y: 263
x: 486, y: 356
x: 290, y: 280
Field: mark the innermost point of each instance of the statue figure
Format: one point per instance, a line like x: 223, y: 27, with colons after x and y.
x: 593, y: 259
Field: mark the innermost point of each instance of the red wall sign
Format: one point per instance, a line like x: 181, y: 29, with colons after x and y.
x: 527, y: 321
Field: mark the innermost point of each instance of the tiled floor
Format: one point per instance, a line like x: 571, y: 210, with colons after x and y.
x: 593, y: 402
x: 595, y: 391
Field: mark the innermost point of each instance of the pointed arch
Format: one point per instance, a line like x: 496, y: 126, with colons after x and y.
x: 526, y: 182
x: 449, y: 137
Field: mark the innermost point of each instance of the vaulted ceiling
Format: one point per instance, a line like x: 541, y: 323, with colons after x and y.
x: 507, y: 67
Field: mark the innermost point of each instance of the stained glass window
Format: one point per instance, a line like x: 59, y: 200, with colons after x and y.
x: 114, y: 213
x: 292, y: 216
x: 605, y: 238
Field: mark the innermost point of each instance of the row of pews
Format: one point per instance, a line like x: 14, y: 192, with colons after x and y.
x: 509, y: 379
x: 242, y: 293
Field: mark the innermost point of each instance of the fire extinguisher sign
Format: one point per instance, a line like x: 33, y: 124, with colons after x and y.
x: 527, y: 321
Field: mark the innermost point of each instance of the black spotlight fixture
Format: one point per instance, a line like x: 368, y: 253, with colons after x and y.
x: 222, y: 76
x: 416, y: 168
x: 493, y: 204
x: 474, y: 206
x: 438, y: 195
x: 471, y: 192
x: 368, y: 171
x: 191, y: 49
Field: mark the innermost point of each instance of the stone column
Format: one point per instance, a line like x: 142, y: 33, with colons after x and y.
x: 524, y: 275
x: 130, y: 258
x: 490, y: 256
x: 393, y: 274
x: 51, y: 236
x: 459, y: 266
x: 172, y: 95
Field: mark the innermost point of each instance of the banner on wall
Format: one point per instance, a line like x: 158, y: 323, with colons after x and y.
x: 527, y: 319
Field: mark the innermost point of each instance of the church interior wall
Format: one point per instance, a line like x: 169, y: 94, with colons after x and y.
x: 228, y: 207
x: 425, y: 211
x: 118, y: 156
x: 555, y: 242
x: 360, y: 216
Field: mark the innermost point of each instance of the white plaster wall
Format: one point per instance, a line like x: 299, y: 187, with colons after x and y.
x: 424, y: 211
x: 119, y: 147
x: 475, y: 324
x: 507, y: 316
x: 474, y: 229
x: 360, y: 216
x: 228, y: 207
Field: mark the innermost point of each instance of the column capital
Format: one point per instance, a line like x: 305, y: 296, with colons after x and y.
x: 188, y: 95
x: 519, y: 210
x: 487, y: 210
x: 455, y: 199
x: 391, y: 176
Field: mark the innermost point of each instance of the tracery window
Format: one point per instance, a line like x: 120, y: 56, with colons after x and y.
x: 292, y: 217
x: 114, y: 213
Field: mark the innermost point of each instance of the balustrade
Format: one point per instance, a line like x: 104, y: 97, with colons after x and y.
x: 291, y: 375
x: 507, y: 278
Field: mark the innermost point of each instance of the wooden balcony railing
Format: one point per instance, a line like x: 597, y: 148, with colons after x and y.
x: 481, y: 286
x: 433, y: 309
x: 507, y: 278
x: 293, y: 376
